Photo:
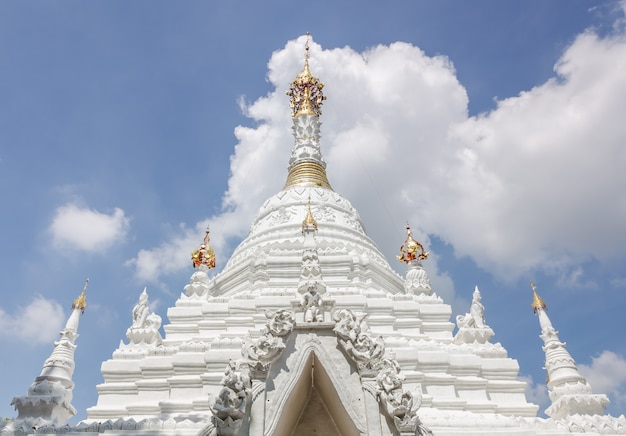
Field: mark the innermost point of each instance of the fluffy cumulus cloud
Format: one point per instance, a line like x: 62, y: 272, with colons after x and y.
x: 607, y: 374
x: 535, y: 183
x: 84, y: 229
x: 38, y: 322
x: 545, y: 169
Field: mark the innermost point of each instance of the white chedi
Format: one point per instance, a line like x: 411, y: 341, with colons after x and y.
x: 48, y: 401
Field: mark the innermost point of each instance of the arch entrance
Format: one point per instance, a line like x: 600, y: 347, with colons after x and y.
x: 314, y: 390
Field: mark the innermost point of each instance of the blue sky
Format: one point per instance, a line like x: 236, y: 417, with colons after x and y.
x: 126, y: 126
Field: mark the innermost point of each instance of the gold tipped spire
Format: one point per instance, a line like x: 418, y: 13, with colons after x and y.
x: 81, y: 301
x: 305, y: 92
x: 309, y: 222
x: 537, y: 301
x: 411, y: 249
x: 204, y: 254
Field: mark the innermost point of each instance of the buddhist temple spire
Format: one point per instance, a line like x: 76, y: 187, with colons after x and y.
x: 412, y: 253
x: 204, y: 254
x: 309, y: 221
x: 306, y: 165
x: 48, y: 401
x: 571, y: 396
x: 537, y: 303
x: 411, y: 250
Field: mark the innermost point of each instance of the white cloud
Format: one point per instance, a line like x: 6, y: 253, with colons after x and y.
x: 607, y: 375
x: 547, y: 167
x: 38, y: 322
x: 86, y: 229
x: 534, y: 184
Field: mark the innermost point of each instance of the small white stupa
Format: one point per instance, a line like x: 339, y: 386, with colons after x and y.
x: 574, y: 406
x: 48, y: 402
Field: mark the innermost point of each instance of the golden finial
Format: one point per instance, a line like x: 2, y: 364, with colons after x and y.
x: 204, y: 254
x: 411, y: 249
x: 537, y: 301
x: 306, y: 51
x: 309, y: 222
x: 81, y: 301
x: 305, y: 92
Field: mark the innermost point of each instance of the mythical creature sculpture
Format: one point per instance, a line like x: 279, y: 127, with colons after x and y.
x: 142, y: 317
x: 281, y: 322
x: 145, y: 327
x: 230, y: 405
x: 365, y: 351
x: 476, y: 316
x: 262, y: 351
x: 312, y: 305
x: 472, y: 325
x: 399, y: 404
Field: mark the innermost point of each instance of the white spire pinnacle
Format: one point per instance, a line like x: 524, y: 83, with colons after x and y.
x: 568, y: 390
x: 48, y: 401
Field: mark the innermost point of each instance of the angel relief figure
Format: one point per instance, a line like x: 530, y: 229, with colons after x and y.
x: 142, y: 317
x: 476, y: 316
x: 311, y: 304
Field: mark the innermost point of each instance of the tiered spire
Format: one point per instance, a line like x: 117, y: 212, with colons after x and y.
x: 204, y: 254
x: 311, y: 287
x: 48, y: 401
x: 306, y: 166
x: 412, y: 253
x: 569, y: 391
x: 410, y: 249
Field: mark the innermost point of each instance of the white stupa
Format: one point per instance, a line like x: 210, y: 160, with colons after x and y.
x: 309, y: 331
x: 48, y: 403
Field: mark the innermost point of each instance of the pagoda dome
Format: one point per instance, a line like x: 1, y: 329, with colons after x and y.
x: 275, y: 241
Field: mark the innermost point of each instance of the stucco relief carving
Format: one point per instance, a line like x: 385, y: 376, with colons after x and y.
x: 366, y: 352
x: 283, y: 216
x: 399, y: 404
x: 262, y: 351
x: 325, y: 214
x: 311, y: 304
x: 145, y: 327
x: 230, y: 405
x: 472, y: 325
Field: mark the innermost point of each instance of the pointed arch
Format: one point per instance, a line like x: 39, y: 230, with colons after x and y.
x: 309, y: 373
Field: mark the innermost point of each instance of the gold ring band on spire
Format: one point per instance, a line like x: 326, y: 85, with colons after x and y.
x: 307, y: 173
